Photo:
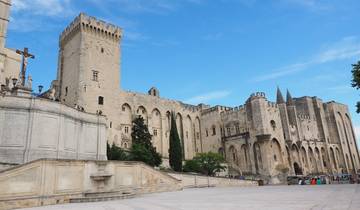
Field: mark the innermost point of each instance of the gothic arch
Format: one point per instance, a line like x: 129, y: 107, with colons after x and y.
x: 233, y: 155
x: 332, y: 155
x: 244, y: 158
x: 258, y: 157
x: 156, y: 125
x: 276, y: 151
x: 179, y: 125
x: 312, y: 158
x: 304, y: 158
x: 126, y: 114
x: 141, y: 110
x: 188, y: 137
x: 197, y: 135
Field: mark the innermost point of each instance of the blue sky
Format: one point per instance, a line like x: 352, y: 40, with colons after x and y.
x: 211, y: 51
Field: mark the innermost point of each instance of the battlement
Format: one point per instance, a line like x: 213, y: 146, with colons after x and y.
x: 303, y: 117
x: 272, y: 104
x: 215, y: 109
x: 91, y: 25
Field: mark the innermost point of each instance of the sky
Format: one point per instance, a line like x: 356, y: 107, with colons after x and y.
x: 216, y: 52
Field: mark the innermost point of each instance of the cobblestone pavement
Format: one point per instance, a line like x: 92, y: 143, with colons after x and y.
x: 336, y: 197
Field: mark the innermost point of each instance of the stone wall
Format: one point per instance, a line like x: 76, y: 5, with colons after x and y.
x: 191, y: 181
x: 34, y: 128
x: 47, y: 182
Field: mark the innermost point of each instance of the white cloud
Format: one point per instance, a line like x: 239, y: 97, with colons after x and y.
x: 348, y: 47
x: 42, y: 7
x: 207, y: 97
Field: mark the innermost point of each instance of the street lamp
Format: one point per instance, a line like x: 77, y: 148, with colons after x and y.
x: 14, y: 80
x: 40, y: 88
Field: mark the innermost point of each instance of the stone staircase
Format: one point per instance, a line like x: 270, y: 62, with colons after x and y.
x: 103, y: 196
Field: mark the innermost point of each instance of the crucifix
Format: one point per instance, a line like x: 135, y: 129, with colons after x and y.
x: 25, y: 55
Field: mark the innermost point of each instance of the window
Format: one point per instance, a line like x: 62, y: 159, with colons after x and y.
x: 102, y: 50
x: 123, y: 108
x: 273, y: 124
x: 66, y: 91
x: 126, y: 129
x: 214, y: 130
x: 110, y: 124
x: 155, y: 132
x: 101, y: 100
x: 197, y: 135
x: 95, y: 76
x: 275, y: 158
x: 237, y: 129
x: 228, y: 131
x: 207, y: 133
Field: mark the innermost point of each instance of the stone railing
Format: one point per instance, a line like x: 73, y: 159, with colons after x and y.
x: 194, y: 181
x: 47, y: 182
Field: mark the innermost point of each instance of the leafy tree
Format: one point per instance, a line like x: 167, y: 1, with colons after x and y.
x: 192, y: 166
x: 210, y: 163
x: 175, y: 151
x: 142, y: 148
x: 116, y: 153
x: 355, y: 82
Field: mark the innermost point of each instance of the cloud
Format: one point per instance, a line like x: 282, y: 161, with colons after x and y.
x: 207, y: 97
x: 213, y: 37
x: 42, y: 7
x: 348, y: 47
x: 314, y: 5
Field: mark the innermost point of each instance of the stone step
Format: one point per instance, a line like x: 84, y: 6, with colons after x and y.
x: 105, y: 197
x: 107, y: 193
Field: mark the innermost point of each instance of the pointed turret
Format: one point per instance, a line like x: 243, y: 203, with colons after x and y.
x: 289, y: 99
x: 279, y: 97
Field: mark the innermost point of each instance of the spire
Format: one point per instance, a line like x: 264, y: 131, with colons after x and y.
x: 279, y: 96
x: 289, y: 99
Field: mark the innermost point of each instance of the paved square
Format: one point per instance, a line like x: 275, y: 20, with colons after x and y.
x: 336, y: 197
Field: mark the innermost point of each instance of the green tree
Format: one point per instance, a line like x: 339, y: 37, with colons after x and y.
x: 116, y: 153
x: 192, y: 166
x: 210, y: 163
x: 175, y: 151
x: 355, y: 82
x: 142, y: 148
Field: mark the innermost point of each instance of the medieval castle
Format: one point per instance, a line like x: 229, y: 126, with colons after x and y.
x: 304, y: 134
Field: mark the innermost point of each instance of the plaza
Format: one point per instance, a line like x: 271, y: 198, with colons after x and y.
x: 336, y: 197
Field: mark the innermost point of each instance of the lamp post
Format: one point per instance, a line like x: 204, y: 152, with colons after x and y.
x: 14, y: 81
x: 40, y: 88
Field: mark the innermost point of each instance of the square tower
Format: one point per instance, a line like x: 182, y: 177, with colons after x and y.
x: 4, y: 20
x: 89, y: 64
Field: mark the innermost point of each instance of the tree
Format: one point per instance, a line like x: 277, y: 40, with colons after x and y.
x: 192, y: 166
x: 116, y: 153
x: 175, y: 151
x: 210, y: 163
x: 142, y: 148
x: 355, y: 82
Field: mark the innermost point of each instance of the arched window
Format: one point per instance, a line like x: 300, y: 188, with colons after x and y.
x: 273, y: 124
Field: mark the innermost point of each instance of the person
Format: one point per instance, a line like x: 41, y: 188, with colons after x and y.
x: 318, y: 181
x: 313, y: 182
x: 300, y: 182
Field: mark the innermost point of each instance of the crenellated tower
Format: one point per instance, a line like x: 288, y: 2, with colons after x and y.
x: 89, y: 64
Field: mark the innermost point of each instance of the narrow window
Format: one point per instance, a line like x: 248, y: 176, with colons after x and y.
x: 197, y: 135
x: 66, y: 91
x: 214, y: 130
x: 95, y: 76
x: 187, y: 134
x: 101, y: 100
x: 207, y: 133
x: 237, y: 129
x: 110, y: 124
x: 102, y: 50
x: 126, y: 129
x: 228, y: 131
x: 155, y: 132
x: 273, y: 124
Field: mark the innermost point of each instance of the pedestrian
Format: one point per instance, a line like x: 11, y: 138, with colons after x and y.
x: 318, y: 181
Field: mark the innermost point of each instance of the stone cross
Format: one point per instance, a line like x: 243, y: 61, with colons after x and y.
x: 25, y: 55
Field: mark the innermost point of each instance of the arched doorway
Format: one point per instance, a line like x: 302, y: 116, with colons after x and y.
x: 297, y: 169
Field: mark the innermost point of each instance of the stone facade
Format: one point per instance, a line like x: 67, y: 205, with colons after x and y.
x: 9, y: 59
x: 32, y: 128
x: 304, y: 134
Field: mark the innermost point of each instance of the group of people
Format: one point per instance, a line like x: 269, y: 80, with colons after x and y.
x: 312, y: 181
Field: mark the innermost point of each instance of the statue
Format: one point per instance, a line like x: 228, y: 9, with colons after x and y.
x: 29, y: 82
x: 25, y: 55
